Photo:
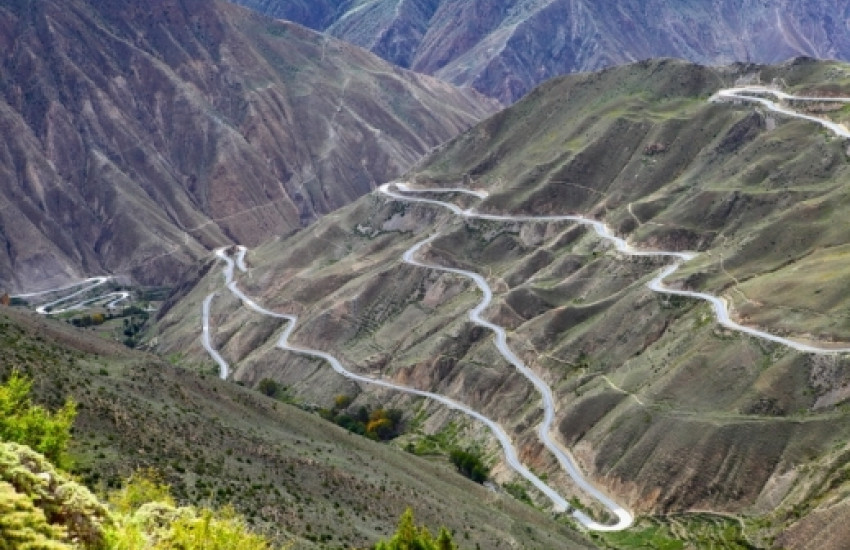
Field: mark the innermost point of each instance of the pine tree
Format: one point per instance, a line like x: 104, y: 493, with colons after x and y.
x: 409, y: 537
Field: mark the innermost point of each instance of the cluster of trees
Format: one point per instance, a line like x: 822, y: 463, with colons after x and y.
x: 379, y: 424
x: 89, y: 320
x: 135, y: 319
x: 469, y: 464
x: 409, y: 537
x: 132, y: 326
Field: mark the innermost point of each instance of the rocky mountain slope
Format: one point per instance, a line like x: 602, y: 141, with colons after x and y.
x: 137, y: 135
x: 670, y: 412
x: 504, y: 48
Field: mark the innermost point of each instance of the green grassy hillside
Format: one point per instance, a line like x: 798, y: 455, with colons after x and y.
x: 290, y: 473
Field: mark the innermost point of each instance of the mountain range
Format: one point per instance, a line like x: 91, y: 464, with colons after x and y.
x: 504, y: 48
x: 139, y: 136
x: 638, y: 268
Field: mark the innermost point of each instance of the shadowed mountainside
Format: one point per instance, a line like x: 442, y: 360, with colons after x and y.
x: 138, y: 135
x: 504, y: 48
x: 665, y: 409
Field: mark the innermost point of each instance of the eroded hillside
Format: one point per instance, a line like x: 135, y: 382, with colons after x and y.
x: 138, y: 136
x: 661, y: 406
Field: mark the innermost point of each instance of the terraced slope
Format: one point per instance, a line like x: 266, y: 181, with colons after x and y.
x: 139, y: 136
x: 665, y: 409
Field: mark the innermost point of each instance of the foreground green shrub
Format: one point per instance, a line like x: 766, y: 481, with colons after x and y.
x: 212, y: 530
x: 39, y: 503
x: 149, y: 520
x: 143, y: 487
x: 23, y: 525
x: 23, y: 422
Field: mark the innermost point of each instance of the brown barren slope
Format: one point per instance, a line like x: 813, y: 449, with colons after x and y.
x: 137, y: 136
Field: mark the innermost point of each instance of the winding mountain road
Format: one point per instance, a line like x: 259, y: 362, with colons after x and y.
x: 86, y: 284
x: 624, y: 518
x: 744, y: 93
x: 115, y: 297
x: 89, y: 281
x: 228, y: 272
x: 721, y: 313
x: 721, y: 310
x: 206, y: 341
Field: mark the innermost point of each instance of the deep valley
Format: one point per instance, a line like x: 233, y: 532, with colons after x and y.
x: 255, y: 277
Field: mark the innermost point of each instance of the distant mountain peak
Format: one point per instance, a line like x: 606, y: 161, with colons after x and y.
x: 505, y: 47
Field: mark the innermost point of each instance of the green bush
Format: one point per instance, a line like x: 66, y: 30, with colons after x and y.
x: 23, y: 525
x: 212, y: 530
x: 409, y: 537
x: 23, y: 422
x: 269, y: 387
x: 470, y: 465
x: 41, y: 508
x: 41, y: 503
x: 148, y: 519
x: 143, y: 487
